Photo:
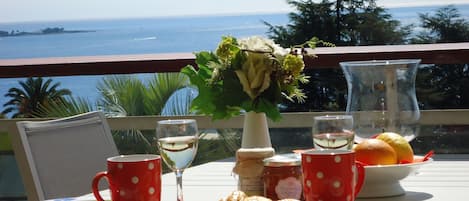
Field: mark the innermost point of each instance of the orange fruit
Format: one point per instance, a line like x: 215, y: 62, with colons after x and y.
x: 404, y: 151
x: 375, y: 152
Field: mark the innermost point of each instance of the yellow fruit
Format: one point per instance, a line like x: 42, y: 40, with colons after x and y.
x: 375, y: 152
x: 404, y: 151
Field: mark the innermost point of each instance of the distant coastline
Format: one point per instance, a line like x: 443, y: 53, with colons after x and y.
x: 49, y: 30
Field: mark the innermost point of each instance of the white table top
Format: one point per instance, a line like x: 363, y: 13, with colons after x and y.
x: 447, y: 178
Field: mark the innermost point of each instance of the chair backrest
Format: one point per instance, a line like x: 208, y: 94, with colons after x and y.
x: 59, y: 158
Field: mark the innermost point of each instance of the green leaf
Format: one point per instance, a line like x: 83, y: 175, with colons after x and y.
x: 203, y: 58
x: 271, y: 110
x: 233, y: 93
x: 273, y: 93
x: 202, y: 103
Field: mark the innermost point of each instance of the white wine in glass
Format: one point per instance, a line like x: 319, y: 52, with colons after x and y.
x: 177, y: 143
x: 333, y: 132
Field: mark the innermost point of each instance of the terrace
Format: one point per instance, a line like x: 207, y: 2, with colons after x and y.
x: 445, y: 131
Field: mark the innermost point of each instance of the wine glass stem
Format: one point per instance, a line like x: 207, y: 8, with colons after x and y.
x: 179, y: 185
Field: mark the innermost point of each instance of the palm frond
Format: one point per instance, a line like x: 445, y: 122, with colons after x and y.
x: 126, y: 95
x: 132, y: 141
x: 162, y: 87
x: 122, y: 95
x: 65, y: 107
x: 179, y: 102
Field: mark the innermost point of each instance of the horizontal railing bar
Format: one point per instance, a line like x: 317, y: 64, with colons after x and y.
x: 328, y: 57
x: 443, y: 53
x: 94, y: 65
x: 289, y: 120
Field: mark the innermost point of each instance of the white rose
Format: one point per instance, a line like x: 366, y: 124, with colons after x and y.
x: 255, y: 74
x: 280, y: 51
x: 258, y: 43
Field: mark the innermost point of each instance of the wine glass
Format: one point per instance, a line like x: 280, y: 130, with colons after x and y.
x: 177, y: 143
x: 333, y: 132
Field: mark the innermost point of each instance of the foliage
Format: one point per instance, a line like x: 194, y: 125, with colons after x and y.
x: 122, y: 95
x: 5, y: 142
x: 250, y: 74
x: 446, y: 25
x: 364, y: 23
x: 165, y: 94
x: 375, y: 27
x: 358, y: 22
x: 443, y: 86
x: 173, y: 91
x: 179, y: 103
x: 312, y: 19
x: 327, y: 89
x: 129, y: 96
x: 125, y: 95
x: 65, y: 107
x: 223, y: 146
x: 132, y: 141
x: 33, y: 95
x: 342, y: 23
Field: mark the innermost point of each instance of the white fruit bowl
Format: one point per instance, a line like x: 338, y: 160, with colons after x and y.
x: 383, y: 180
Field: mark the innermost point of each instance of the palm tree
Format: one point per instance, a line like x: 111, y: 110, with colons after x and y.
x: 166, y: 94
x: 34, y: 94
x: 126, y: 95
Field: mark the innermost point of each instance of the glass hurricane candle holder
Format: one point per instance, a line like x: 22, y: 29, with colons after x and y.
x: 381, y: 97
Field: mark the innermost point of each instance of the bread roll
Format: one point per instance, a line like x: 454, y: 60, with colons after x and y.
x: 256, y: 198
x: 235, y: 196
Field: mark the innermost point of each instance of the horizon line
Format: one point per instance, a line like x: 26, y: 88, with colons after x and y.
x: 227, y: 14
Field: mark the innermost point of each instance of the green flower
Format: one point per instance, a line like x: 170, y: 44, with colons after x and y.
x: 227, y: 48
x: 293, y: 64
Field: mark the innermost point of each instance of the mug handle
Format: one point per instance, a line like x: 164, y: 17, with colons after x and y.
x: 360, y: 178
x: 94, y: 185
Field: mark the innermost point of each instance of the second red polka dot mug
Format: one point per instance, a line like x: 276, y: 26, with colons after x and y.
x: 132, y: 178
x: 331, y: 175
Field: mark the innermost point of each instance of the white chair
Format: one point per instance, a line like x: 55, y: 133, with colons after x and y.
x: 58, y: 158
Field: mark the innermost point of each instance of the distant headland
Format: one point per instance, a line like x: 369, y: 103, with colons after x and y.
x: 49, y: 30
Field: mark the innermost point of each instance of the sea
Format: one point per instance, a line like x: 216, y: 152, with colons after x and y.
x: 141, y: 36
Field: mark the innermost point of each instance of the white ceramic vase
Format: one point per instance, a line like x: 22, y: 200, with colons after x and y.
x: 255, y: 147
x: 255, y: 131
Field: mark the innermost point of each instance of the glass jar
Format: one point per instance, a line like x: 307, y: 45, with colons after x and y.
x: 282, y: 177
x: 381, y: 97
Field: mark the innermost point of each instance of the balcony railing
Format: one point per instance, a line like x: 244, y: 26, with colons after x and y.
x: 449, y: 53
x: 328, y: 57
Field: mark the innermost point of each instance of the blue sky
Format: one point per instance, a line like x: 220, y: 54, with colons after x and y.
x: 50, y: 10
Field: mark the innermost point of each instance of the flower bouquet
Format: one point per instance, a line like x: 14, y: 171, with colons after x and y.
x: 249, y: 74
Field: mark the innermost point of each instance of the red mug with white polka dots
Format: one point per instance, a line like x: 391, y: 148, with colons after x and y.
x: 331, y: 175
x: 131, y: 178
